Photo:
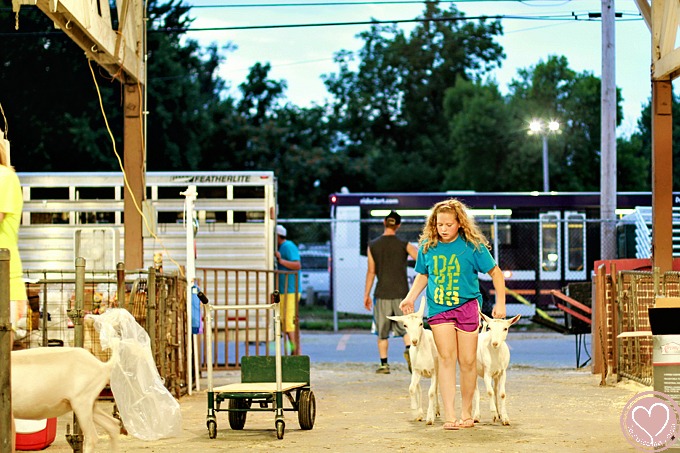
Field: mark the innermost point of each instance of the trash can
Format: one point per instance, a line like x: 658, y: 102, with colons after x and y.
x: 663, y: 319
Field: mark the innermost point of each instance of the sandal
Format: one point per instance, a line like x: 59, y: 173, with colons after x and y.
x: 451, y: 426
x: 467, y: 423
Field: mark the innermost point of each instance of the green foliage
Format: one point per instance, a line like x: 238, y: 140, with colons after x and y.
x: 552, y: 91
x: 408, y: 111
x: 183, y: 93
x: 49, y: 97
x: 634, y: 169
x: 391, y: 108
x: 479, y: 125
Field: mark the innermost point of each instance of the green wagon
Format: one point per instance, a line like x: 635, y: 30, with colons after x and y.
x: 265, y: 381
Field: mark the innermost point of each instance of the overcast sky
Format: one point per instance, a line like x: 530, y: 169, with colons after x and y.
x: 301, y: 55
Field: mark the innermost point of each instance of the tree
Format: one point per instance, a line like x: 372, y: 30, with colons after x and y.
x: 551, y: 90
x: 53, y: 107
x: 479, y: 126
x: 183, y: 92
x: 634, y: 168
x: 49, y: 98
x: 391, y: 108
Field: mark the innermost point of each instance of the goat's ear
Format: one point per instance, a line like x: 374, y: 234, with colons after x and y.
x: 421, y: 309
x: 394, y: 318
x: 485, y: 318
x: 514, y: 319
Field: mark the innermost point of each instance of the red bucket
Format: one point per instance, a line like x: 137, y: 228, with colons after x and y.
x: 35, y: 434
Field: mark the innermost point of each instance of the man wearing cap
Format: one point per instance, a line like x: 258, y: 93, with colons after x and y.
x: 288, y: 259
x: 387, y: 257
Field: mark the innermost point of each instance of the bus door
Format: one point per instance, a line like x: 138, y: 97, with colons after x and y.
x: 550, y: 265
x: 562, y: 246
x: 348, y: 265
x: 574, y: 246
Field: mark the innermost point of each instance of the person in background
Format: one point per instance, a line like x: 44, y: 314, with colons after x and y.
x: 387, y: 258
x: 11, y: 205
x: 453, y: 251
x: 288, y: 259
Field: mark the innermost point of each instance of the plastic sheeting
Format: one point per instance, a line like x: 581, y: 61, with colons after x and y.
x: 147, y: 408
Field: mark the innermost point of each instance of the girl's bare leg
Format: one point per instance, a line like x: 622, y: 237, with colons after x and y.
x: 467, y: 359
x: 447, y: 347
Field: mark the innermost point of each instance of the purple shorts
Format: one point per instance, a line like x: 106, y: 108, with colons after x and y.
x: 465, y: 317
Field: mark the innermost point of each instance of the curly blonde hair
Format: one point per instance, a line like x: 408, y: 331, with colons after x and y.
x: 469, y: 229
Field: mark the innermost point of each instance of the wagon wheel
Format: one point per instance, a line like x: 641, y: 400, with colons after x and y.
x: 280, y: 427
x: 237, y: 419
x: 212, y: 429
x: 307, y: 409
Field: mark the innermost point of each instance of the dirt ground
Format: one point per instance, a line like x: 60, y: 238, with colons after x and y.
x: 360, y: 411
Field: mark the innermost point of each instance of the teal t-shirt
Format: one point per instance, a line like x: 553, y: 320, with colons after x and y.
x: 452, y: 273
x: 289, y: 252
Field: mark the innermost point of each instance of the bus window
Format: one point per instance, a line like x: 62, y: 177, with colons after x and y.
x: 494, y: 229
x: 575, y: 245
x: 550, y: 243
x: 372, y: 227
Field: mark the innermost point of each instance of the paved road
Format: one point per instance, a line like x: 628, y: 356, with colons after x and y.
x: 535, y: 349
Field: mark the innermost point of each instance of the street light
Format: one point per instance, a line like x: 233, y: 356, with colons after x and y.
x: 537, y: 127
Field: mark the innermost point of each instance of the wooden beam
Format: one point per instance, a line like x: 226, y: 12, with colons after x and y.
x: 666, y: 66
x: 93, y: 32
x: 598, y: 328
x: 135, y: 167
x: 573, y: 313
x: 668, y: 27
x: 646, y: 11
x: 662, y: 176
x: 525, y: 292
x: 572, y: 302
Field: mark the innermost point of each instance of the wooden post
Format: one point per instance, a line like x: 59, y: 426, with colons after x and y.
x: 120, y: 288
x: 135, y: 168
x: 76, y: 313
x: 5, y: 356
x: 600, y: 318
x: 615, y: 320
x: 662, y: 175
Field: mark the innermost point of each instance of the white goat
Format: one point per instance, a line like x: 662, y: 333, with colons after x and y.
x: 424, y: 363
x: 49, y: 382
x: 493, y: 357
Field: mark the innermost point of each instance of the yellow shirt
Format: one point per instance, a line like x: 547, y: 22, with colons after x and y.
x: 11, y: 204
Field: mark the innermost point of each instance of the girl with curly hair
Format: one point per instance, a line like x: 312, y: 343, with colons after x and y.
x: 452, y: 252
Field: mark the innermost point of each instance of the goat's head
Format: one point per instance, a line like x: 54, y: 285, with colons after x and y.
x: 413, y: 323
x: 498, y: 328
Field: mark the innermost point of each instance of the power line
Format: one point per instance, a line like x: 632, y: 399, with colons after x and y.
x: 588, y: 17
x: 564, y: 17
x: 354, y: 3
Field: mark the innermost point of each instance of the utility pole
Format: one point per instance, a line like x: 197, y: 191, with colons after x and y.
x: 608, y: 134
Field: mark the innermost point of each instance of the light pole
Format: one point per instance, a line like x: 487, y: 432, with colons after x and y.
x: 539, y: 128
